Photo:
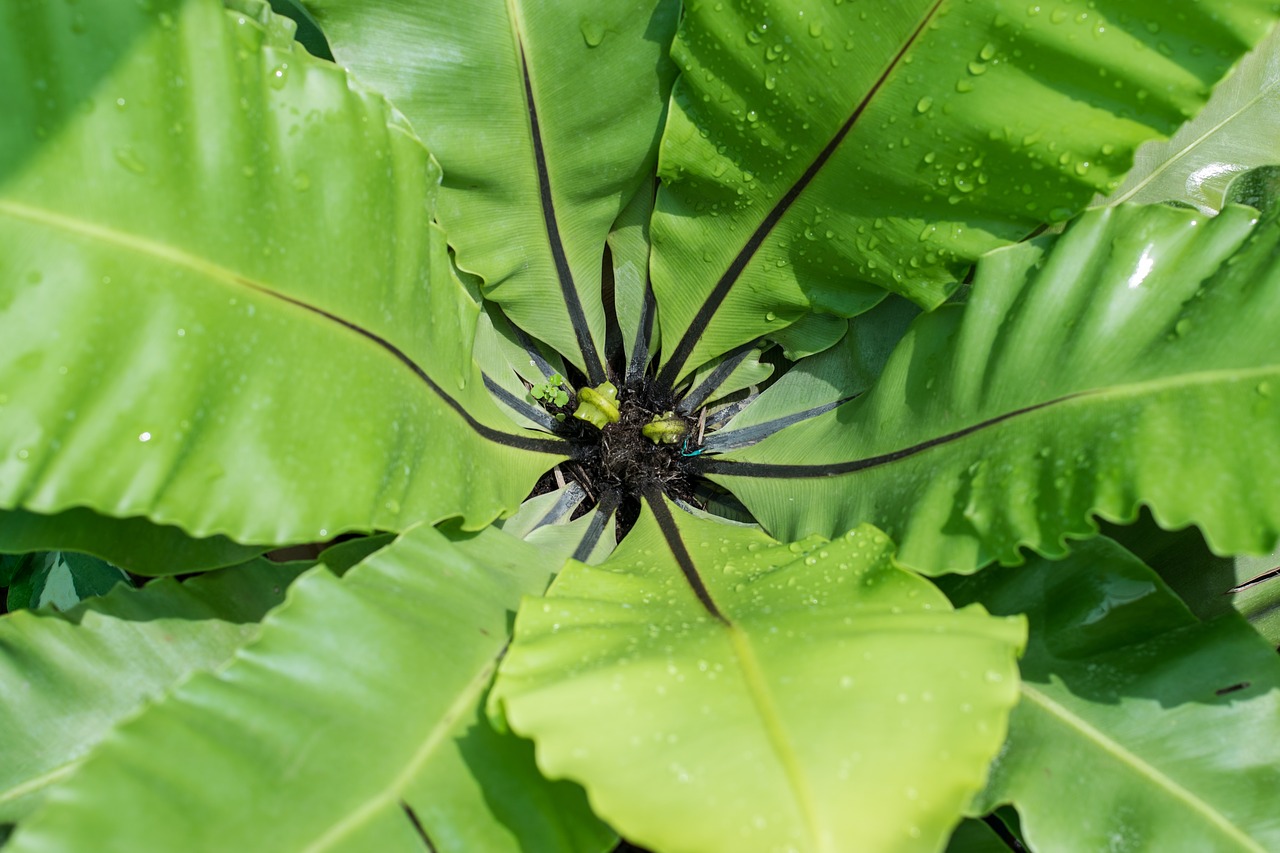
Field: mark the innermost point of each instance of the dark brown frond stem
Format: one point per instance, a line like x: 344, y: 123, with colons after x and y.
x: 540, y: 445
x: 657, y: 502
x: 684, y: 348
x: 568, y: 291
x: 832, y: 469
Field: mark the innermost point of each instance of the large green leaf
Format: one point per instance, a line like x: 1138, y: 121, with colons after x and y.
x: 131, y: 543
x: 269, y: 347
x: 1160, y: 732
x: 67, y: 678
x: 1085, y: 375
x: 1238, y: 129
x: 545, y: 118
x: 821, y: 382
x: 716, y: 690
x: 819, y: 153
x: 1210, y: 585
x: 351, y: 721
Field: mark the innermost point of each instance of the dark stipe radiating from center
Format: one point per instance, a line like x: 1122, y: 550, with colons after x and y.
x: 568, y: 290
x: 675, y: 361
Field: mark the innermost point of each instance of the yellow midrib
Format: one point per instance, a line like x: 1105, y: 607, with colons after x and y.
x: 1212, y: 817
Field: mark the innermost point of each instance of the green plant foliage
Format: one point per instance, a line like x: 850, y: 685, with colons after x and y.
x: 800, y: 267
x: 420, y: 625
x: 1002, y: 448
x: 71, y: 676
x: 1236, y: 131
x: 1160, y: 730
x: 551, y: 391
x: 697, y: 714
x: 599, y: 148
x: 60, y: 580
x: 166, y: 399
x: 133, y: 544
x: 933, y: 167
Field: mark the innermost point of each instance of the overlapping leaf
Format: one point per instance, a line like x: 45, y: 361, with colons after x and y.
x: 131, y: 543
x: 1236, y: 131
x: 1161, y: 732
x: 819, y: 153
x: 281, y: 753
x: 201, y: 333
x: 1085, y: 375
x: 67, y: 678
x: 716, y: 690
x: 545, y: 118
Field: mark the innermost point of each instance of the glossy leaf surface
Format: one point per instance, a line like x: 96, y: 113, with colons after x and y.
x: 1159, y: 730
x: 242, y: 286
x: 974, y: 443
x: 553, y: 164
x: 746, y: 694
x: 819, y: 153
x: 279, y: 754
x: 1236, y: 131
x: 131, y: 543
x: 67, y: 678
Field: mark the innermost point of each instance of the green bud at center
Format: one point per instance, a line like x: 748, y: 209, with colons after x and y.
x: 598, y: 406
x: 665, y: 429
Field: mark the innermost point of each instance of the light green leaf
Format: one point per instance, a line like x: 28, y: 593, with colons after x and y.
x: 819, y: 383
x: 974, y: 443
x: 811, y: 334
x: 200, y: 333
x: 724, y: 376
x: 1161, y: 732
x: 67, y: 678
x: 1237, y: 130
x: 818, y: 154
x: 134, y: 544
x: 715, y: 690
x: 68, y: 578
x: 554, y: 164
x: 278, y: 754
x: 633, y: 303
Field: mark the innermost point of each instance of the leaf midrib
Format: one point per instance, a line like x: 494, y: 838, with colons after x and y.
x: 392, y: 793
x: 752, y: 675
x: 673, y: 368
x: 1124, y: 756
x: 215, y: 272
x: 1168, y: 164
x: 779, y: 739
x: 731, y: 468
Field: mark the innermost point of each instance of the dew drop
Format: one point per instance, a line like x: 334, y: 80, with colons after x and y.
x: 592, y: 32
